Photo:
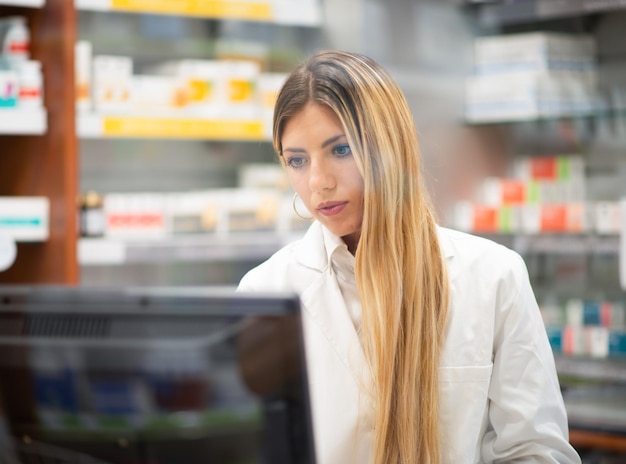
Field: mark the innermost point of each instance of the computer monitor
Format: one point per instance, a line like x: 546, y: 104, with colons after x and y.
x: 152, y: 376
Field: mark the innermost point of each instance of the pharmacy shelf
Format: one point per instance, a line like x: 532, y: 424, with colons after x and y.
x: 600, y: 112
x: 530, y: 11
x: 597, y: 440
x: 191, y: 248
x: 287, y: 12
x: 89, y: 427
x: 204, y: 247
x: 599, y: 407
x: 24, y: 3
x: 97, y: 126
x: 23, y: 122
x: 594, y: 393
x: 536, y: 118
x: 604, y: 369
x: 559, y: 244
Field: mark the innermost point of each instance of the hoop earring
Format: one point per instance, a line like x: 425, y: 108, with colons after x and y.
x: 295, y: 209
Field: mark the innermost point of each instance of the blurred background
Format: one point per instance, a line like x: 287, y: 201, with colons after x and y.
x: 135, y: 148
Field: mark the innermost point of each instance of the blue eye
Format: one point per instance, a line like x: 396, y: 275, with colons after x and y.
x: 342, y: 150
x: 296, y: 162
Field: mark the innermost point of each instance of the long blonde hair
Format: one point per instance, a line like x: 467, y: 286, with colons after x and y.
x: 400, y: 271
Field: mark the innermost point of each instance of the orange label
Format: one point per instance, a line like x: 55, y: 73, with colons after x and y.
x: 606, y: 314
x: 32, y: 92
x: 543, y: 168
x: 82, y: 91
x: 568, y: 340
x: 513, y: 192
x: 553, y: 218
x: 18, y: 47
x: 575, y: 217
x: 485, y: 218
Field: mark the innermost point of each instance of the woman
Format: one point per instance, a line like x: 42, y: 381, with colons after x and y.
x: 424, y: 345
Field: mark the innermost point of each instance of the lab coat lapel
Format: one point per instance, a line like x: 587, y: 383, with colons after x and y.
x: 447, y: 250
x: 323, y: 301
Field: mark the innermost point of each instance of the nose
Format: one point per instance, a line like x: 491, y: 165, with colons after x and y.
x: 321, y: 177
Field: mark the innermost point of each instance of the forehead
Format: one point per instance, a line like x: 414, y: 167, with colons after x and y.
x: 312, y: 118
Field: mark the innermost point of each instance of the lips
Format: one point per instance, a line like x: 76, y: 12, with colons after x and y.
x: 330, y: 208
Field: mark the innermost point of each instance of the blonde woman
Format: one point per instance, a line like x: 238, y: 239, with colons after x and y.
x: 424, y: 345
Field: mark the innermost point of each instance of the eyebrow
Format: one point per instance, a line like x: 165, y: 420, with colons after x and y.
x: 332, y: 140
x: 324, y: 145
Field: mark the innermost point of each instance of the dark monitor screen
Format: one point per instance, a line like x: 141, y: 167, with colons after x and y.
x: 152, y: 376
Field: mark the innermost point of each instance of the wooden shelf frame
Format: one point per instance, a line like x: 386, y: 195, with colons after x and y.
x: 47, y: 165
x: 587, y: 439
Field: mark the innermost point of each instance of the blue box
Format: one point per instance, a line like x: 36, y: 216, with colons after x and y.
x: 592, y: 313
x: 617, y: 343
x: 555, y: 337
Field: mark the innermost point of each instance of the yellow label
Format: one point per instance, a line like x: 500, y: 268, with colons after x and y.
x: 199, y: 89
x: 256, y: 11
x: 183, y: 128
x: 241, y: 90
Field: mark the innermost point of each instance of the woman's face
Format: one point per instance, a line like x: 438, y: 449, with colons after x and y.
x: 323, y: 172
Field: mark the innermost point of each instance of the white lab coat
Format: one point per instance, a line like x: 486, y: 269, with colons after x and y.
x: 500, y: 398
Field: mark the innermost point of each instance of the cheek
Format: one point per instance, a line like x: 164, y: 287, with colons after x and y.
x: 356, y: 185
x: 300, y: 186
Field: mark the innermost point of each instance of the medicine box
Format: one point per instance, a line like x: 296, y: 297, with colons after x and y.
x: 26, y: 219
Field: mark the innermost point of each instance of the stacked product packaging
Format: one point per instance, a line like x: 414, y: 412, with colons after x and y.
x: 211, y: 89
x: 591, y: 328
x: 532, y: 75
x: 261, y: 203
x: 544, y: 194
x: 21, y: 81
x: 21, y: 89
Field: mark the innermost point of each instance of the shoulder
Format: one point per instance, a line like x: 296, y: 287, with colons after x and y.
x: 464, y: 244
x: 479, y: 258
x: 291, y: 267
x: 269, y: 274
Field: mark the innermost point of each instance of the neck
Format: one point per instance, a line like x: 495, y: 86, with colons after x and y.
x: 352, y: 242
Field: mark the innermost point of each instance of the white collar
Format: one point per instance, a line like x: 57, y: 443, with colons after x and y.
x: 318, y: 245
x: 332, y: 243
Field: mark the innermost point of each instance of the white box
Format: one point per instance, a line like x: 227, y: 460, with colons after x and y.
x: 204, y: 84
x: 263, y: 175
x: 193, y: 212
x: 82, y: 71
x: 135, y: 215
x: 597, y: 342
x: 153, y: 95
x: 607, y: 218
x: 524, y: 95
x: 26, y: 219
x: 534, y: 51
x: 249, y: 210
x: 242, y: 96
x: 531, y: 219
x: 269, y: 86
x: 111, y: 80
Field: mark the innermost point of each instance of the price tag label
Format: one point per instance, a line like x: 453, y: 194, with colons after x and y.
x: 182, y: 128
x: 253, y: 11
